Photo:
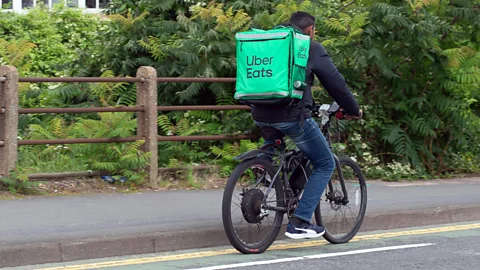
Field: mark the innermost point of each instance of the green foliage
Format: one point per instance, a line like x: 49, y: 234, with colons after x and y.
x: 198, y: 46
x: 50, y: 158
x: 15, y: 53
x: 281, y: 13
x: 414, y: 66
x: 114, y: 94
x: 433, y: 106
x: 125, y: 159
x: 47, y: 43
x: 58, y: 36
x: 18, y: 182
x: 121, y: 158
x: 226, y: 154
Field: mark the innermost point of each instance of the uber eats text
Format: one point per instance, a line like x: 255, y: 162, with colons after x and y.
x: 254, y: 70
x: 302, y: 53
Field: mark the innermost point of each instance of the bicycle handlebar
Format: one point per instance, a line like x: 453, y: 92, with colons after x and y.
x: 329, y: 110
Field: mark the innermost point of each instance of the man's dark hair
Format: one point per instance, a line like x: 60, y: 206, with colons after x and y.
x: 302, y: 19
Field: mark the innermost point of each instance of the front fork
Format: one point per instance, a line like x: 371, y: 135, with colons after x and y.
x: 331, y: 194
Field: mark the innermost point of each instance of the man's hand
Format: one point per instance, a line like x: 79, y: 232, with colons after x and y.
x: 360, y: 114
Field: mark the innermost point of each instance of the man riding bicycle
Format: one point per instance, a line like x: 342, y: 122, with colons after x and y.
x: 307, y: 136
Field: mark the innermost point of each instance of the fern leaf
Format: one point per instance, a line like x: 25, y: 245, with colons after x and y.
x: 164, y: 124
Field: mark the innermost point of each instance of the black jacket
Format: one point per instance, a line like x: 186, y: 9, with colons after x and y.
x: 319, y: 64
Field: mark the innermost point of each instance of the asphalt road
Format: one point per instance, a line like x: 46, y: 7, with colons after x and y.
x: 437, y: 253
x: 452, y: 246
x: 80, y: 217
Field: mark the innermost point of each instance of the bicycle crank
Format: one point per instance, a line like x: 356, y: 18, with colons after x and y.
x: 292, y: 206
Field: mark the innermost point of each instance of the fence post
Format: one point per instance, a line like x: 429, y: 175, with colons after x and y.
x: 147, y: 126
x: 8, y: 119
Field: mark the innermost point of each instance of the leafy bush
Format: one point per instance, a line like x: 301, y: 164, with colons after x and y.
x: 226, y: 154
x: 413, y: 66
x: 125, y: 159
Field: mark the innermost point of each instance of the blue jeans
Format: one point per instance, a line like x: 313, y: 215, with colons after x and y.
x: 310, y: 140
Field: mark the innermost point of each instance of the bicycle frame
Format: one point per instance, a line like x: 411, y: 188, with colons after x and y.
x: 283, y: 158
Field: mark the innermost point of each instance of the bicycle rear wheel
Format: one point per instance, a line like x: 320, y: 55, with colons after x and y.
x: 333, y: 207
x: 244, y: 216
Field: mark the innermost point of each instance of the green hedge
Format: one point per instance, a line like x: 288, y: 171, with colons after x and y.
x: 413, y: 66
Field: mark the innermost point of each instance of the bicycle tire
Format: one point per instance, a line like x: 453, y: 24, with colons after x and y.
x: 226, y: 203
x: 363, y: 206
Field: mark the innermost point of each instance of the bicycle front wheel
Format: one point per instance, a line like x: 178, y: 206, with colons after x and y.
x: 250, y: 225
x: 341, y: 213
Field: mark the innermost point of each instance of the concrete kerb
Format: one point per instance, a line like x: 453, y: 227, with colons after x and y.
x: 71, y: 250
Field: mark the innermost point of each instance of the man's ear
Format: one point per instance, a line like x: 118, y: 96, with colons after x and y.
x: 310, y: 31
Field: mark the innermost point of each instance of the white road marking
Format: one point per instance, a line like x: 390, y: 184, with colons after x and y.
x: 319, y: 256
x: 353, y: 252
x: 468, y: 252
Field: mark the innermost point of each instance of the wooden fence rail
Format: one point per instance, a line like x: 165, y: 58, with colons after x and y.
x: 146, y: 109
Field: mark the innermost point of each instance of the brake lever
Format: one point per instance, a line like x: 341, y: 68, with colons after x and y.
x: 340, y: 115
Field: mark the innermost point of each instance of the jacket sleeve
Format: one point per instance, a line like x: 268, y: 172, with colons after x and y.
x: 332, y: 80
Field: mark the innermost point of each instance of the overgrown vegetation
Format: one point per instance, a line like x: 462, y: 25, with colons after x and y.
x: 413, y: 65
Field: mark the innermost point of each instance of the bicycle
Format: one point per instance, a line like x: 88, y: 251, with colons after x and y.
x: 290, y: 177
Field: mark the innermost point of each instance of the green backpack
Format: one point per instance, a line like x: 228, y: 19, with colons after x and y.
x: 271, y: 65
